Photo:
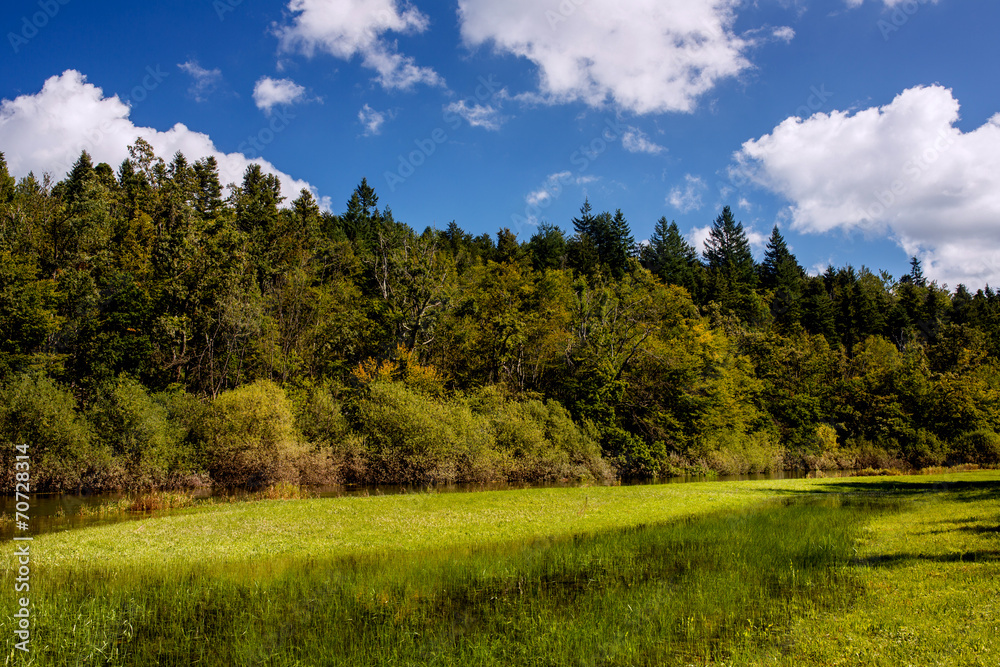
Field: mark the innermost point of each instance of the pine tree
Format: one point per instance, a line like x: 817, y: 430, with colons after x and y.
x: 7, y: 182
x: 672, y: 258
x: 547, y: 248
x: 916, y: 273
x: 727, y: 252
x: 618, y: 244
x: 361, y: 222
x: 508, y: 248
x: 208, y: 188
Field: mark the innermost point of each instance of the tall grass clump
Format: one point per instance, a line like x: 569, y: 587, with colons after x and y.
x: 704, y: 591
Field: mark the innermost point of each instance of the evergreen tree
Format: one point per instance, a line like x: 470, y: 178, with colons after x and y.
x: 361, y: 222
x: 7, y: 182
x: 727, y: 252
x: 916, y: 276
x: 257, y: 201
x: 508, y: 248
x: 547, y: 248
x: 207, y: 188
x: 618, y: 244
x: 672, y: 258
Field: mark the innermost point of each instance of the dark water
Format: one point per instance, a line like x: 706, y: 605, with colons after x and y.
x: 55, y: 512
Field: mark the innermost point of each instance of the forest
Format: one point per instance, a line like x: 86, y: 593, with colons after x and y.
x: 159, y: 329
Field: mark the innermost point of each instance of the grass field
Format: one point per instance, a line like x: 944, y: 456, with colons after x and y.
x: 858, y: 571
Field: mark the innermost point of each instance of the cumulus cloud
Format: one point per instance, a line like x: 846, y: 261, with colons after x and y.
x: 635, y: 141
x: 269, y: 93
x: 698, y: 236
x: 205, y: 81
x: 485, y: 116
x: 372, y: 120
x: 348, y: 28
x: 902, y: 170
x: 687, y: 197
x: 46, y: 132
x: 653, y: 56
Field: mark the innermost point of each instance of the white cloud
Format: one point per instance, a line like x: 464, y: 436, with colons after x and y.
x: 372, y: 120
x: 550, y: 190
x: 902, y: 170
x: 485, y: 116
x: 687, y: 198
x: 269, y: 93
x: 348, y: 28
x: 635, y: 141
x: 784, y: 34
x: 46, y: 132
x: 205, y: 80
x: 698, y: 236
x: 653, y: 56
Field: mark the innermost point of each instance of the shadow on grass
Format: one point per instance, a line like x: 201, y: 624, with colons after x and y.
x: 897, y: 560
x: 965, y: 491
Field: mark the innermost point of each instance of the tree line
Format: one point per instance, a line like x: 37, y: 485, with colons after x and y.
x: 157, y: 329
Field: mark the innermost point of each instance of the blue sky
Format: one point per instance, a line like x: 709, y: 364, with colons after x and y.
x: 868, y: 130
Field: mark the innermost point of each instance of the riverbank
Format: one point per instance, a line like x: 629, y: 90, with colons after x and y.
x: 610, y: 570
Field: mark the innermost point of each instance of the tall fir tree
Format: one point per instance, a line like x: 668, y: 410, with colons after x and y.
x: 670, y: 257
x: 727, y: 253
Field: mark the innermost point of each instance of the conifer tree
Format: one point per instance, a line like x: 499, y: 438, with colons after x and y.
x: 672, y: 258
x: 727, y: 252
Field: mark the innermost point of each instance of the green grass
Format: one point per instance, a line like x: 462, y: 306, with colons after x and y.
x: 799, y: 572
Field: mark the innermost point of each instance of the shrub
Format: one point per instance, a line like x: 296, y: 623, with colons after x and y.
x: 138, y: 432
x: 413, y: 438
x: 925, y: 449
x: 731, y: 453
x: 982, y: 447
x: 248, y: 437
x: 540, y: 441
x: 37, y: 412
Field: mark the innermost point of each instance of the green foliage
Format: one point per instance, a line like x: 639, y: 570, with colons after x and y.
x: 150, y: 273
x: 981, y: 447
x: 248, y: 437
x: 138, y: 432
x: 65, y: 455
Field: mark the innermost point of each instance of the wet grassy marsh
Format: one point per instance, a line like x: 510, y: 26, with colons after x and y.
x: 791, y: 572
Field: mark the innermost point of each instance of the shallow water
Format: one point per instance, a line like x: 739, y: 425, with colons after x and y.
x: 55, y: 512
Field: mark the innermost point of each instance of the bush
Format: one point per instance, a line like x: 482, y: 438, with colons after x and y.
x: 248, y: 438
x: 138, y: 432
x: 335, y: 455
x: 925, y: 450
x: 413, y: 438
x: 981, y: 447
x: 410, y: 437
x: 539, y: 441
x: 37, y: 412
x: 730, y: 453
